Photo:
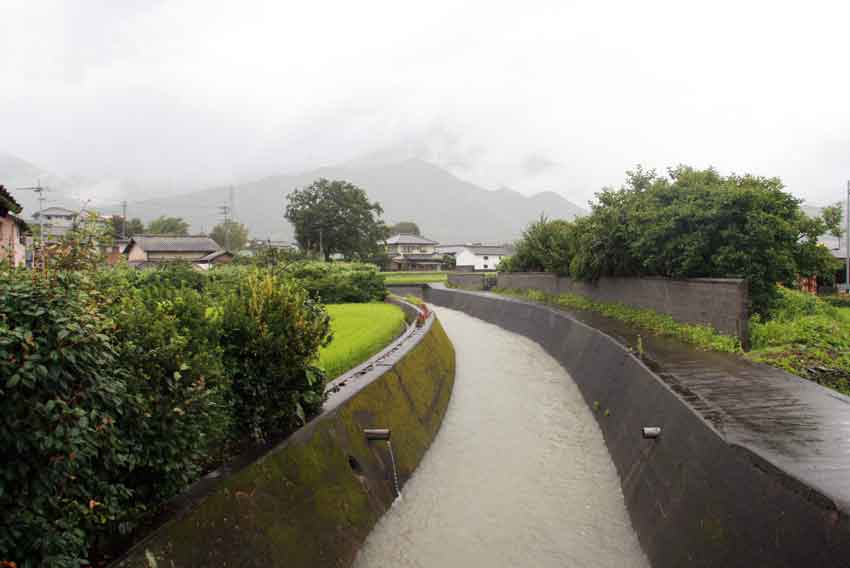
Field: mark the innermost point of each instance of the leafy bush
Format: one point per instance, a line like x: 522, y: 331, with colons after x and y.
x: 693, y: 223
x: 168, y: 341
x: 63, y: 395
x: 120, y: 386
x: 339, y: 282
x: 271, y: 331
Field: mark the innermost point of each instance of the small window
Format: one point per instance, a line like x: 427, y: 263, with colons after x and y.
x: 485, y: 266
x: 486, y: 258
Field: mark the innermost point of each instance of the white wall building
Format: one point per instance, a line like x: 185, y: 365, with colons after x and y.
x: 480, y: 257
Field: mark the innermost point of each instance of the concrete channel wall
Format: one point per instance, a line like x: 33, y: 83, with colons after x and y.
x: 694, y: 499
x: 312, y: 500
x: 721, y: 303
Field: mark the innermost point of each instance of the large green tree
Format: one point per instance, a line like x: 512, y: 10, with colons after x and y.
x: 232, y: 235
x: 405, y: 228
x: 690, y: 223
x: 134, y: 226
x: 336, y: 217
x: 168, y: 226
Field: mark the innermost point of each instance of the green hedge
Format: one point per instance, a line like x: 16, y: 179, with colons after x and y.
x: 120, y: 387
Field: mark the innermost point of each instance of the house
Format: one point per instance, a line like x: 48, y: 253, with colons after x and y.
x: 412, y: 252
x: 12, y: 229
x: 481, y: 257
x: 838, y: 247
x: 56, y: 221
x: 203, y: 252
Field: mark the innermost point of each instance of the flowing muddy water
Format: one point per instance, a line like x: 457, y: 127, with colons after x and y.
x: 517, y: 476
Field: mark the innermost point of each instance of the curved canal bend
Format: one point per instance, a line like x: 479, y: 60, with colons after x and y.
x: 518, y: 475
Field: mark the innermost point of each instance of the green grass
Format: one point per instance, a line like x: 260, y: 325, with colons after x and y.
x: 414, y: 277
x: 806, y: 335
x: 359, y: 331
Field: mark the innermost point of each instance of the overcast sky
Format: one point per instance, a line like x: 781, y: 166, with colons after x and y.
x: 531, y: 95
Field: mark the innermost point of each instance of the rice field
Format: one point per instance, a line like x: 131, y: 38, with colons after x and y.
x: 359, y: 331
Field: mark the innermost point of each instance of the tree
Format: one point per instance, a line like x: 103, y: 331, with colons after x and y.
x: 168, y: 226
x: 231, y: 236
x: 336, y: 217
x: 831, y: 215
x: 134, y: 226
x: 405, y: 228
x: 688, y: 224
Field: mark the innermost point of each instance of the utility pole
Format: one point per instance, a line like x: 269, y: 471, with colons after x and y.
x: 39, y: 189
x: 124, y: 219
x: 225, y: 211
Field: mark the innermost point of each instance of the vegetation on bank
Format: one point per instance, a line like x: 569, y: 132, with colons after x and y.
x: 691, y: 223
x: 120, y: 387
x: 414, y: 277
x: 359, y: 331
x: 805, y: 335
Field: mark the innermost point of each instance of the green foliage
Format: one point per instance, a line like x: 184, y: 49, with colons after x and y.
x: 231, y: 236
x: 692, y: 223
x: 415, y: 277
x: 338, y: 282
x: 169, y: 343
x: 359, y: 331
x: 405, y: 228
x: 545, y: 246
x: 807, y: 336
x: 271, y: 331
x: 80, y: 248
x: 831, y: 216
x: 134, y: 226
x: 119, y: 387
x: 702, y: 336
x: 336, y: 217
x: 63, y: 396
x: 165, y: 225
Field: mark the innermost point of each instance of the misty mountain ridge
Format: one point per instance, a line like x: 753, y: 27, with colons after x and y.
x: 445, y: 207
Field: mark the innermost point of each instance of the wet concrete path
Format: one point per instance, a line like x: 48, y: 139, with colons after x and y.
x: 519, y: 474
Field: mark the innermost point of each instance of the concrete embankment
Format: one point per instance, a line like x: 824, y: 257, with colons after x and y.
x: 313, y: 499
x: 751, y: 466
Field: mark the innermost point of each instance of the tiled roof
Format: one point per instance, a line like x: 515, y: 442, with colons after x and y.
x: 175, y: 244
x: 409, y: 240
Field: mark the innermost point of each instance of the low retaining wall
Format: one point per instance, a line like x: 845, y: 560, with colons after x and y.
x: 721, y: 303
x: 466, y: 281
x: 313, y: 499
x: 694, y: 499
x: 403, y: 290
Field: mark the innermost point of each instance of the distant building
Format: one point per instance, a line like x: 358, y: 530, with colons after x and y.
x: 838, y: 248
x: 203, y: 252
x: 412, y: 252
x: 480, y: 257
x: 12, y: 229
x: 56, y: 221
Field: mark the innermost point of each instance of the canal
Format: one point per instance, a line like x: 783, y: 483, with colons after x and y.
x: 518, y: 475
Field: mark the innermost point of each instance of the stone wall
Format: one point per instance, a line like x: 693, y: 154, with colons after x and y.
x: 694, y: 498
x: 313, y: 499
x: 718, y: 302
x: 466, y: 281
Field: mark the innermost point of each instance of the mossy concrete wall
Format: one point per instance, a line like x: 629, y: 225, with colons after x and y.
x: 694, y: 498
x: 312, y: 500
x: 721, y: 303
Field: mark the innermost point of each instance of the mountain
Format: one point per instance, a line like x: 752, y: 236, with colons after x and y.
x: 445, y: 207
